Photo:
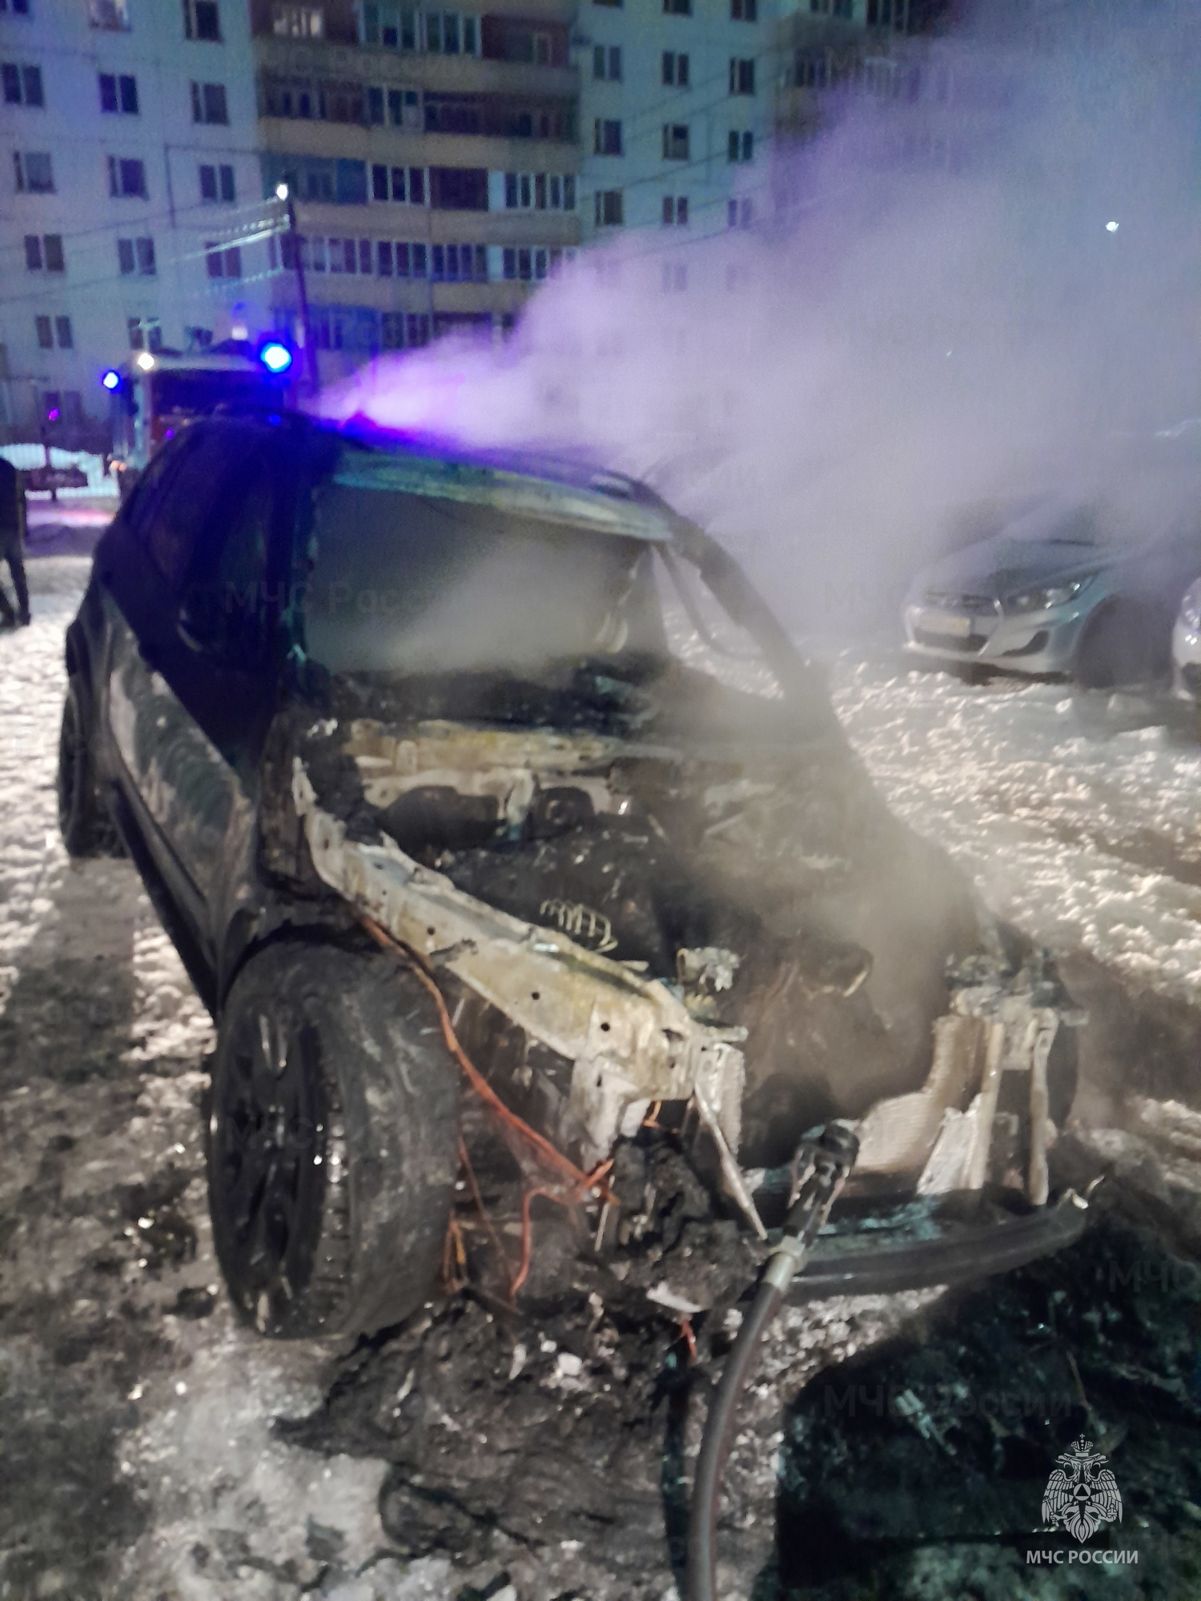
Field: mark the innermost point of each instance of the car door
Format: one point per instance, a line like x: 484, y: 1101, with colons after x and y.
x: 191, y: 692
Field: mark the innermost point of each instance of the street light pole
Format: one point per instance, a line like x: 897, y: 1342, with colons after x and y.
x: 284, y: 193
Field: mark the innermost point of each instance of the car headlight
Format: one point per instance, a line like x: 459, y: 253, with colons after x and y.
x: 1190, y: 608
x: 1052, y: 595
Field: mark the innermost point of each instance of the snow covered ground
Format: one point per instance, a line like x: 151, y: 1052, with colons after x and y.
x: 135, y: 1415
x: 1087, y: 844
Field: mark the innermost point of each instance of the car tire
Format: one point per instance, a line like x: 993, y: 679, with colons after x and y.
x: 83, y: 819
x: 1124, y: 644
x: 332, y: 1141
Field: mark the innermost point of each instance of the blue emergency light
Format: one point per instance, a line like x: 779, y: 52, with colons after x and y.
x: 275, y: 356
x: 111, y: 379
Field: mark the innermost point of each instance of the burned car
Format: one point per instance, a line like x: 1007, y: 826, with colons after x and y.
x: 464, y: 780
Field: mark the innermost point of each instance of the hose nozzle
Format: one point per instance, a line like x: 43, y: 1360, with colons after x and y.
x: 823, y: 1164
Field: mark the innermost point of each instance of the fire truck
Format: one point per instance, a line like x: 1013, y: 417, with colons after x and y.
x: 156, y: 393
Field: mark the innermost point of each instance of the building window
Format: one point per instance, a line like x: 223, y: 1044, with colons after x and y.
x: 19, y: 8
x: 208, y: 103
x: 458, y: 264
x: 126, y: 177
x: 739, y: 213
x: 217, y: 183
x: 449, y: 33
x: 34, y: 174
x: 741, y: 145
x: 673, y: 277
x: 22, y: 84
x: 404, y: 108
x: 145, y: 333
x: 110, y: 14
x: 606, y: 136
x: 401, y: 330
x: 394, y: 27
x: 297, y: 22
x: 136, y: 256
x: 677, y: 8
x: 609, y: 208
x: 119, y: 93
x: 539, y: 191
x: 404, y: 184
x: 518, y: 264
x: 223, y: 261
x: 742, y: 75
x: 202, y: 20
x: 399, y: 107
x: 744, y: 10
x: 675, y: 68
x: 675, y: 141
x: 606, y: 63
x: 675, y: 211
x: 53, y: 331
x: 44, y: 252
x: 459, y: 188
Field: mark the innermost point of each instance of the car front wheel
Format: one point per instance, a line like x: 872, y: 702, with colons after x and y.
x: 332, y: 1141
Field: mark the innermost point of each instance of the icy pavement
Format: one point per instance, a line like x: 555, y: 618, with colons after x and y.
x: 140, y: 1461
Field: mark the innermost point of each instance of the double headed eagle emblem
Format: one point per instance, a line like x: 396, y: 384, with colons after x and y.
x: 1081, y: 1494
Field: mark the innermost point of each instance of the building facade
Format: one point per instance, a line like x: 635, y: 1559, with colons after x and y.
x: 676, y: 112
x: 179, y: 170
x: 130, y: 197
x: 433, y: 159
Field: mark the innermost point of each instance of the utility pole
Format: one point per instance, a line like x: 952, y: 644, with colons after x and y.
x: 283, y: 192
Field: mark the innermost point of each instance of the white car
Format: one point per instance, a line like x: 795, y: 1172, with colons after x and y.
x: 1186, y: 647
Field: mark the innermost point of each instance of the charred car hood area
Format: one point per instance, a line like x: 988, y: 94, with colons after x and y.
x: 648, y: 895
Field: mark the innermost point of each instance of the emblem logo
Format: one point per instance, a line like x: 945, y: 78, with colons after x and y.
x: 1081, y: 1493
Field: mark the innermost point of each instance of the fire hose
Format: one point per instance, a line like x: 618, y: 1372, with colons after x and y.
x: 825, y: 1162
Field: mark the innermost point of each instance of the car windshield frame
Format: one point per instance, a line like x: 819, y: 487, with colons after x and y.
x: 672, y: 538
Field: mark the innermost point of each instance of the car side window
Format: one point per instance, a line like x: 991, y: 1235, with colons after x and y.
x: 178, y: 518
x: 151, y: 486
x: 224, y: 606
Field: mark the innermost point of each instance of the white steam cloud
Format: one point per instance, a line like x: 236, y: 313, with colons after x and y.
x: 949, y: 315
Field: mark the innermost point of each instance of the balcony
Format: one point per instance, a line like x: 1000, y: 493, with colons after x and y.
x: 390, y: 68
x: 348, y: 141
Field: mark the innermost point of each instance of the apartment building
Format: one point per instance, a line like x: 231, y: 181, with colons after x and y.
x: 676, y: 113
x: 432, y: 155
x: 130, y: 196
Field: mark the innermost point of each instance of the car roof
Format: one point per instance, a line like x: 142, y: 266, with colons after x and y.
x: 556, y: 489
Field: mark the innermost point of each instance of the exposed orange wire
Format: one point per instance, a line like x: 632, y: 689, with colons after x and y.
x: 651, y: 1120
x: 527, y: 1230
x: 688, y: 1337
x: 579, y: 1182
x: 548, y: 1152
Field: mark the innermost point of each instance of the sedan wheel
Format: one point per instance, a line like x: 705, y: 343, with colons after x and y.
x: 333, y: 1140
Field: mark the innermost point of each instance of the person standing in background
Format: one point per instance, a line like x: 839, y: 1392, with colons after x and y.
x: 12, y: 545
